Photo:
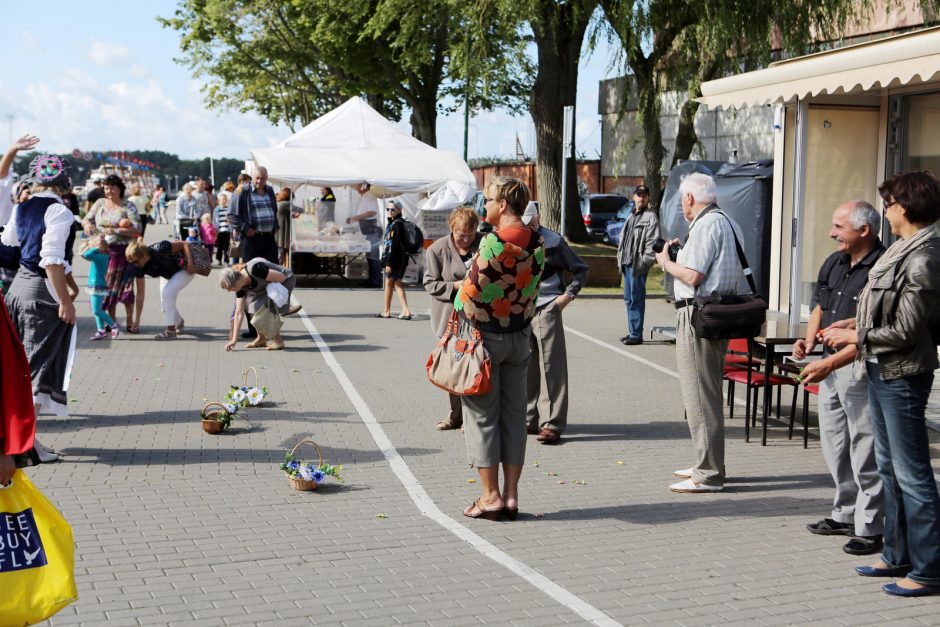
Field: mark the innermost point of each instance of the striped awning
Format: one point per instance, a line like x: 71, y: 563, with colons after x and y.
x: 909, y: 59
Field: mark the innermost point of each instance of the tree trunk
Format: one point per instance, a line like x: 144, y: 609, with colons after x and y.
x: 686, y: 137
x: 648, y: 105
x: 559, y: 31
x: 424, y: 122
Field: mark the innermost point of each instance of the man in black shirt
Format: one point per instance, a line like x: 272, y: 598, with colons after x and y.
x: 95, y: 194
x: 845, y: 429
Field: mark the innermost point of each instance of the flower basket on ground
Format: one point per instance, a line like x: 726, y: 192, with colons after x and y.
x: 245, y: 395
x: 303, y: 475
x: 218, y: 419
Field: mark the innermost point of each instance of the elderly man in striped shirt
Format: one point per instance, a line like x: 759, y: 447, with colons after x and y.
x: 707, y: 264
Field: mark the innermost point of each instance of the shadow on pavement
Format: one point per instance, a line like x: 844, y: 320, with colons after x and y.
x: 194, y: 456
x: 339, y: 337
x: 705, y: 506
x: 646, y: 431
x: 49, y: 424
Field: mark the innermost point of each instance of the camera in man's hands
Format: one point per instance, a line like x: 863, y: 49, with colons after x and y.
x: 674, y: 249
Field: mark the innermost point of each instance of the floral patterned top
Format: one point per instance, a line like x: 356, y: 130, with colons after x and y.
x: 104, y: 217
x: 502, y: 285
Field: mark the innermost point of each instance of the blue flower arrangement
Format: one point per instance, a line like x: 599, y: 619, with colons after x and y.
x: 304, y: 475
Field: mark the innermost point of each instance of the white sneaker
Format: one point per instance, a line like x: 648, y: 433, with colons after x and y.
x: 45, y: 455
x: 690, y: 486
x: 683, y: 474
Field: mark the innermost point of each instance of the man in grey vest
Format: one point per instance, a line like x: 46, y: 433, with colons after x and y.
x: 845, y: 429
x: 634, y: 259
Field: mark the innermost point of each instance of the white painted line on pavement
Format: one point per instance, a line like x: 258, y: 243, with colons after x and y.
x: 628, y: 354
x: 620, y: 351
x: 432, y: 511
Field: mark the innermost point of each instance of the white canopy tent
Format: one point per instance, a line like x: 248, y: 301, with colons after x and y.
x: 354, y: 144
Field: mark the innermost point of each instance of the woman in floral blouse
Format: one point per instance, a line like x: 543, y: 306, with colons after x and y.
x: 118, y: 221
x: 498, y: 298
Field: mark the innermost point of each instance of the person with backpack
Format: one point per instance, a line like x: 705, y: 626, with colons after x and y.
x: 394, y: 258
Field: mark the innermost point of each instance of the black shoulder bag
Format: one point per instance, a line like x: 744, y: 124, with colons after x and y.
x: 735, y: 316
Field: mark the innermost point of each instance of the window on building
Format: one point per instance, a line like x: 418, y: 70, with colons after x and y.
x: 920, y: 138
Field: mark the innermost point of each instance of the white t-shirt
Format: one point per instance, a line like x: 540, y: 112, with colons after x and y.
x: 6, y: 198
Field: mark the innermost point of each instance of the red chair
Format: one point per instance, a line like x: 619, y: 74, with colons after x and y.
x: 754, y: 380
x: 738, y: 357
x: 807, y: 390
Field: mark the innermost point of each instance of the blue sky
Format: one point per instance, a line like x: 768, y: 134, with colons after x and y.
x: 100, y: 76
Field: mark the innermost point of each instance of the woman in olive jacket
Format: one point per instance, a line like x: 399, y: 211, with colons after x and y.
x: 895, y: 330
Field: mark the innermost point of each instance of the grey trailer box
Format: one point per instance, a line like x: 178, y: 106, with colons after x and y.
x: 745, y: 194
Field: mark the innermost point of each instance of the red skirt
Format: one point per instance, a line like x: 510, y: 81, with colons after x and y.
x: 17, y: 415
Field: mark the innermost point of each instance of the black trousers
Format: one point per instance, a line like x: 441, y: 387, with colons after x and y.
x: 222, y: 242
x: 261, y: 245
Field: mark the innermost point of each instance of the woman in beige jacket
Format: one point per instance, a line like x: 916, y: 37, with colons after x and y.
x: 446, y: 261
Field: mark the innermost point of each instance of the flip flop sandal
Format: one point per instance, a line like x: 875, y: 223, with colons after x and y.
x: 447, y: 425
x: 488, y: 514
x: 381, y: 316
x: 165, y: 335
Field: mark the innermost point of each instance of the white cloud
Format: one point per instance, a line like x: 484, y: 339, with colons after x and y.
x: 104, y: 54
x: 75, y: 110
x: 32, y: 43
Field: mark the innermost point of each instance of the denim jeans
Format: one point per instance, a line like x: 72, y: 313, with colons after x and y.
x: 911, y: 500
x: 634, y: 295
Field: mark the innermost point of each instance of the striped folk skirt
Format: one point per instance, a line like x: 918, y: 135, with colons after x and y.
x: 49, y: 342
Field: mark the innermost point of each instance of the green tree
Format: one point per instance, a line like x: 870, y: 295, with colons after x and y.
x: 558, y: 29
x: 293, y: 60
x: 674, y: 44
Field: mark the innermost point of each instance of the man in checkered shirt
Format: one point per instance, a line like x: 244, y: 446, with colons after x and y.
x: 707, y: 264
x: 253, y: 214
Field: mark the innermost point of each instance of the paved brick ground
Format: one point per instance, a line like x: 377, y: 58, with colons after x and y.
x: 176, y: 527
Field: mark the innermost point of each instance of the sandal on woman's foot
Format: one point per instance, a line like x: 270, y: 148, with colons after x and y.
x: 115, y: 331
x: 133, y: 328
x: 488, y: 514
x: 447, y: 425
x: 383, y: 316
x: 404, y: 317
x: 511, y: 512
x: 166, y: 334
x: 100, y: 335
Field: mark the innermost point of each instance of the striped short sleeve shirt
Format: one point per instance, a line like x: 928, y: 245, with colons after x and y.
x: 710, y: 250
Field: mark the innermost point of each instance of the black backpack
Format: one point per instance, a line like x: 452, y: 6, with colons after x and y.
x: 412, y: 239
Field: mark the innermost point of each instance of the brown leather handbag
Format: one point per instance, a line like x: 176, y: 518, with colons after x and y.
x: 460, y: 366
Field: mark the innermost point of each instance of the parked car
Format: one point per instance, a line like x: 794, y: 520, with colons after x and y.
x: 599, y: 209
x: 615, y: 226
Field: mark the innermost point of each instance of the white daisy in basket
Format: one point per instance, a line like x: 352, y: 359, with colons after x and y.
x: 306, y: 472
x: 238, y: 396
x: 255, y: 396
